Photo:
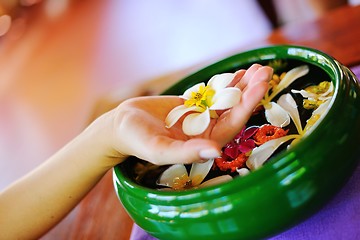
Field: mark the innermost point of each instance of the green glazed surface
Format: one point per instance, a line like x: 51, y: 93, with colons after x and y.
x: 292, y: 187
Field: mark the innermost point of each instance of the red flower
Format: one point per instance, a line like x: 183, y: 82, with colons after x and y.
x: 242, y: 143
x: 268, y: 132
x: 237, y: 163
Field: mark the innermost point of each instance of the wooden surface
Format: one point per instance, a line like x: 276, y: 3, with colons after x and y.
x: 336, y: 34
x: 50, y: 81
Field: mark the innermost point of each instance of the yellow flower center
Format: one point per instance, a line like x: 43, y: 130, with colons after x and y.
x: 319, y: 89
x: 182, y: 182
x: 322, y: 88
x: 202, y: 98
x: 185, y: 182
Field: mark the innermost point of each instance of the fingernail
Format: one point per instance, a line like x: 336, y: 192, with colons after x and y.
x: 209, y: 153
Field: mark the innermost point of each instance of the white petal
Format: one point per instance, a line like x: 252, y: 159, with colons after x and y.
x: 221, y: 81
x: 276, y: 115
x: 322, y: 108
x: 177, y: 112
x: 288, y: 103
x: 243, y: 171
x: 226, y: 98
x: 195, y: 88
x: 289, y: 78
x: 168, y: 176
x: 305, y: 94
x: 217, y: 180
x: 200, y: 170
x: 260, y: 154
x: 314, y: 96
x: 196, y: 123
x: 325, y: 98
x: 328, y: 92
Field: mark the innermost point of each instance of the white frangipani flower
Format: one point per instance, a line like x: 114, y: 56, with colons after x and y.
x: 260, y: 154
x: 289, y: 78
x: 322, y: 96
x: 177, y: 178
x: 316, y: 97
x: 288, y: 104
x: 315, y: 116
x: 202, y: 101
x: 274, y: 113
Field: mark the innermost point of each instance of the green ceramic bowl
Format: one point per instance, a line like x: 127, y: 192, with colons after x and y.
x: 289, y: 189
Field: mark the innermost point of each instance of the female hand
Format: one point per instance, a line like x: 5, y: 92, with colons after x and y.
x: 135, y: 127
x: 138, y: 126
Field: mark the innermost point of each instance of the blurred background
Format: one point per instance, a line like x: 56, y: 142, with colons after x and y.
x: 63, y: 62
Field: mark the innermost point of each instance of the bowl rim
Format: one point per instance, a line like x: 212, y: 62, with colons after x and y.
x: 305, y: 54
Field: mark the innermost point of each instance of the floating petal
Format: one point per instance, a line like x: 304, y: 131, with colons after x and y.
x: 226, y: 98
x: 310, y: 95
x: 196, y: 123
x: 305, y: 94
x: 199, y: 171
x: 319, y: 111
x: 260, y: 154
x: 247, y: 146
x: 288, y: 103
x: 322, y: 108
x: 173, y: 172
x: 221, y: 81
x: 289, y: 78
x: 276, y: 115
x: 231, y: 150
x: 328, y: 94
x: 243, y: 171
x: 217, y: 180
x: 249, y: 132
x: 176, y: 113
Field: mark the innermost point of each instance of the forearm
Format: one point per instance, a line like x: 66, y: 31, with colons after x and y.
x: 136, y: 127
x: 35, y: 203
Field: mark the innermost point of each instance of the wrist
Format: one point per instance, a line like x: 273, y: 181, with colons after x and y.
x: 98, y: 142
